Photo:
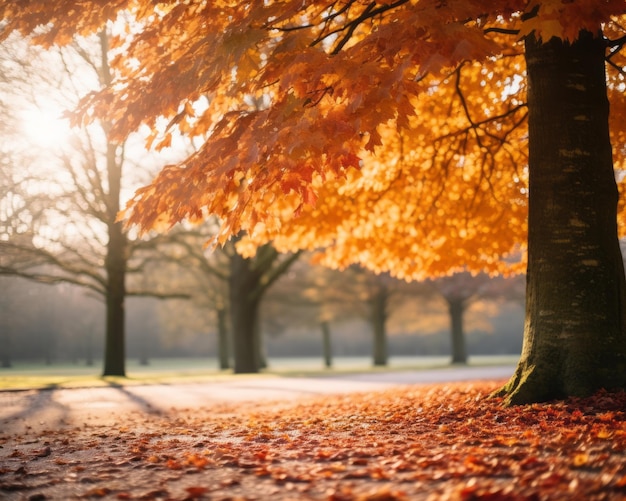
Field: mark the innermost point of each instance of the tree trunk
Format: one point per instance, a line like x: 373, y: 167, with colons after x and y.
x: 379, y: 320
x: 244, y: 307
x: 326, y: 344
x: 115, y: 263
x: 459, y: 351
x: 258, y: 343
x: 115, y: 260
x: 115, y: 266
x: 222, y: 339
x: 248, y: 280
x: 5, y: 348
x: 574, y: 337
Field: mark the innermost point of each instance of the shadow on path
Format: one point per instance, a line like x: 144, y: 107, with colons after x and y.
x: 143, y: 404
x: 32, y: 403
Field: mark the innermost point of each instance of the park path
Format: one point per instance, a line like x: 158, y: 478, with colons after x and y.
x: 54, y: 408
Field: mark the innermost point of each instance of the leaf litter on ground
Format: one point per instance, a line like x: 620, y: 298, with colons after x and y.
x: 435, y: 442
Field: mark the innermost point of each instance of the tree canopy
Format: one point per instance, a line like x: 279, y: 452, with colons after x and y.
x: 391, y: 132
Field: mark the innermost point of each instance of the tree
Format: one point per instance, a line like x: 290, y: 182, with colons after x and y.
x: 309, y: 297
x: 95, y: 192
x: 454, y: 289
x: 233, y: 285
x: 460, y: 290
x: 575, y: 339
x: 249, y: 279
x: 408, y: 119
x: 332, y: 296
x: 327, y: 346
x: 208, y: 274
x: 65, y: 230
x: 376, y: 290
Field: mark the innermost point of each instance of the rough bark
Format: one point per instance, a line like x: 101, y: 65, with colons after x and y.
x: 456, y: 308
x: 574, y: 337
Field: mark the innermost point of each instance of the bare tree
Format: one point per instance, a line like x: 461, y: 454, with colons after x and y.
x: 59, y: 208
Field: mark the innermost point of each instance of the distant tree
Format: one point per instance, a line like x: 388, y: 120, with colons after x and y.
x: 327, y: 344
x: 205, y: 276
x: 313, y: 298
x: 460, y: 290
x: 301, y: 300
x: 383, y: 295
x: 249, y: 279
x: 59, y: 208
x: 375, y: 291
x: 231, y: 283
x: 328, y: 296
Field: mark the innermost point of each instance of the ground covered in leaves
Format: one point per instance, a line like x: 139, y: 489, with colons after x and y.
x: 441, y: 442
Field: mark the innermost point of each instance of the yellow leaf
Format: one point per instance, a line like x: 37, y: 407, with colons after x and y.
x: 544, y: 29
x: 580, y: 459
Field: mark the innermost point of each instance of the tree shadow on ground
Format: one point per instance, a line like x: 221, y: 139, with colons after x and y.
x: 143, y: 404
x: 31, y: 403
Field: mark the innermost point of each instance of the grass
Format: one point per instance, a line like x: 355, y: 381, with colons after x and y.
x: 25, y: 376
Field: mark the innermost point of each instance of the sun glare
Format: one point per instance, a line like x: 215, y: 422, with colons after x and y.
x: 45, y: 127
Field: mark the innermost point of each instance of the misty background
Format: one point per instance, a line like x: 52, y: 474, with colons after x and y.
x: 52, y: 324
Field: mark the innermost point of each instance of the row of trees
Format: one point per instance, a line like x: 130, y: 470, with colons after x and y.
x: 60, y: 323
x: 59, y: 225
x: 59, y: 216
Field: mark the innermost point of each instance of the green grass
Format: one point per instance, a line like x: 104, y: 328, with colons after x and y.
x: 43, y: 381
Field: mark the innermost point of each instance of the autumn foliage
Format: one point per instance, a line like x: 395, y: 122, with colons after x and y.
x: 443, y: 442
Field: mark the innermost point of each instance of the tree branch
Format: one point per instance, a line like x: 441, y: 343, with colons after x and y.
x: 158, y: 295
x: 274, y: 273
x: 503, y: 31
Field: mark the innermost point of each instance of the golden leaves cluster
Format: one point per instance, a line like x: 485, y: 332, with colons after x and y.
x: 444, y: 193
x: 565, y: 19
x: 383, y: 101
